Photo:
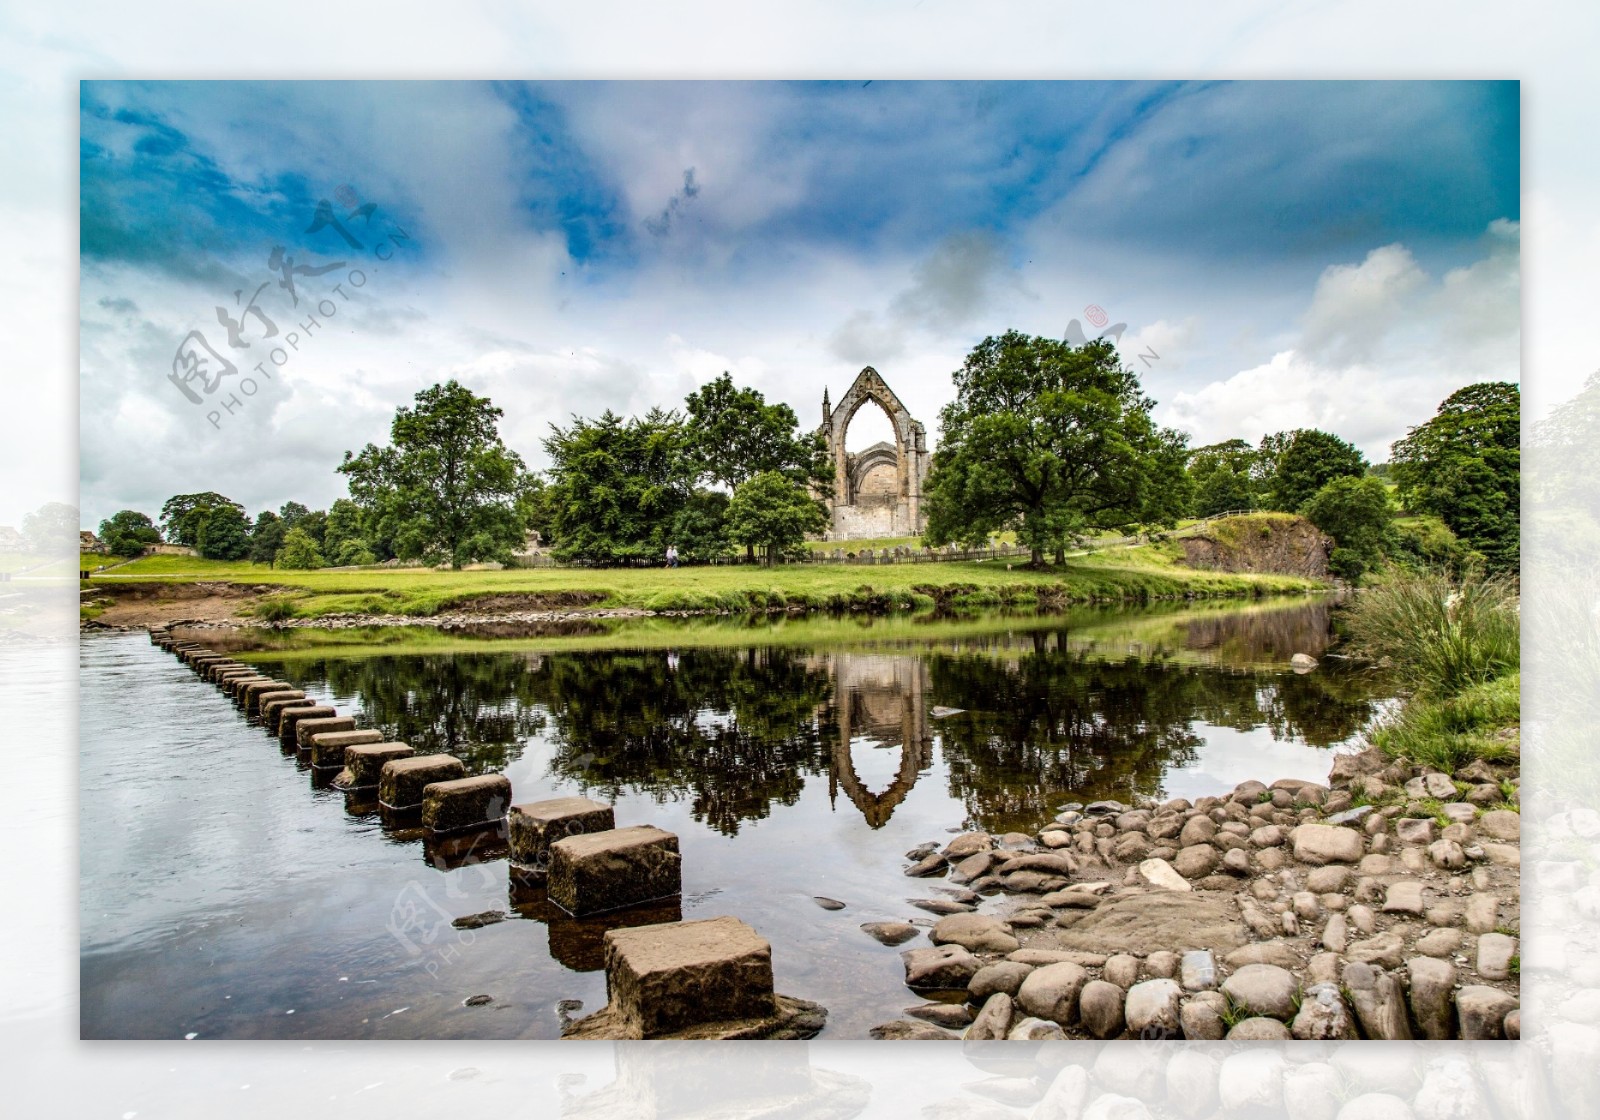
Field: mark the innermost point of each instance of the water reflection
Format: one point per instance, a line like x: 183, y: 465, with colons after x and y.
x: 1097, y: 711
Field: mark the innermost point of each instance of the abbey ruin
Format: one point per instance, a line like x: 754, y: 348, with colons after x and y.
x: 877, y: 492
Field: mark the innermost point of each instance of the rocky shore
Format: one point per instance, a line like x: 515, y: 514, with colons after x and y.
x: 1382, y: 905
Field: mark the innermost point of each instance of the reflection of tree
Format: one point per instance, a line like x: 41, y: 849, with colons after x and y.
x: 1057, y: 722
x: 734, y: 730
x: 478, y: 707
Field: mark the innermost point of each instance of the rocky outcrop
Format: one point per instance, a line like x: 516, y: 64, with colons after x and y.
x: 1275, y: 543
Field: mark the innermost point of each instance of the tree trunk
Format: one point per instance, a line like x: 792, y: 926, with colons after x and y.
x: 1035, y: 558
x: 1061, y: 555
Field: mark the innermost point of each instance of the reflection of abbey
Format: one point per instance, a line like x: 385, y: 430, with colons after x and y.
x: 879, y: 702
x: 877, y: 492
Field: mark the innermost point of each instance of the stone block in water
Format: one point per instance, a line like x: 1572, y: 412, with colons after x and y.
x: 601, y: 871
x: 254, y: 693
x: 328, y: 746
x: 220, y: 674
x: 305, y: 729
x: 401, y: 782
x: 289, y: 718
x: 269, y: 703
x: 538, y: 824
x: 463, y: 803
x: 662, y: 979
x: 364, y: 762
x: 235, y: 686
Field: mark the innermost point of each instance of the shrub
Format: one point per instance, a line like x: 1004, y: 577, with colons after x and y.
x: 275, y: 608
x: 1439, y: 636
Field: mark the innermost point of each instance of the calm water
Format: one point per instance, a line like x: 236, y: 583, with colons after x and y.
x: 223, y: 895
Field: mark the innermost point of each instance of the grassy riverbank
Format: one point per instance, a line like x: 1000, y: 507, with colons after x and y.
x: 1133, y: 574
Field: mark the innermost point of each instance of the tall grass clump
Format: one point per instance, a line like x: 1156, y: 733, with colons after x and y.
x: 1439, y: 636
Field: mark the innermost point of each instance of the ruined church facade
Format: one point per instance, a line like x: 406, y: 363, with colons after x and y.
x: 877, y: 492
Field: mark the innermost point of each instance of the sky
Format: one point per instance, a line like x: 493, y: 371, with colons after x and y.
x: 1333, y: 254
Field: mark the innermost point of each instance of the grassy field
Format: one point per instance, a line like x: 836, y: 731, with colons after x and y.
x: 1131, y: 574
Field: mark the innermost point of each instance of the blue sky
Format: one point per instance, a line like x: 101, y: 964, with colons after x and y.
x: 1337, y: 254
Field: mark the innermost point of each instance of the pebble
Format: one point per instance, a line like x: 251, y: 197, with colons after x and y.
x: 890, y: 933
x: 1263, y: 989
x: 1495, y: 951
x: 1001, y: 976
x: 828, y: 903
x: 1100, y: 1009
x: 1153, y: 1006
x: 1122, y: 970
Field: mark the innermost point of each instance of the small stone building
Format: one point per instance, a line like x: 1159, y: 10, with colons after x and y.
x: 877, y: 492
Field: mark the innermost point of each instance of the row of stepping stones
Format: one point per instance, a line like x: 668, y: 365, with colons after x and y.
x: 702, y: 979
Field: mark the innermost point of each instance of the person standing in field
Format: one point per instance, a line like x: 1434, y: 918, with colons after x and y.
x: 672, y: 556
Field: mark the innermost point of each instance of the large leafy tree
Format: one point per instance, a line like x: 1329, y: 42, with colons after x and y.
x: 299, y: 550
x: 446, y: 487
x: 127, y: 532
x: 1357, y: 514
x: 617, y: 486
x: 1224, y: 477
x: 183, y: 515
x: 1465, y: 467
x: 266, y: 538
x: 1306, y: 461
x: 224, y: 534
x: 1052, y: 440
x: 734, y: 435
x: 773, y: 513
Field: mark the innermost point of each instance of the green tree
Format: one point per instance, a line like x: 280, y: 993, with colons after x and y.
x: 184, y: 514
x: 1223, y: 478
x: 266, y: 538
x: 1465, y: 467
x: 446, y: 487
x: 733, y: 434
x: 1357, y: 514
x: 617, y: 486
x: 1053, y: 440
x: 773, y: 513
x: 224, y: 533
x: 127, y: 532
x: 1309, y: 460
x: 341, y: 524
x: 299, y: 550
x: 700, y: 529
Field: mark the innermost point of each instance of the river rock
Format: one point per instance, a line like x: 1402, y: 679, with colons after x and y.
x: 1055, y: 838
x: 908, y: 1030
x: 1495, y: 951
x: 1483, y: 913
x: 942, y: 906
x: 927, y: 866
x: 1500, y: 824
x: 975, y: 866
x: 993, y: 1022
x: 1322, y: 1016
x: 1383, y: 949
x: 1153, y: 1009
x: 968, y: 844
x: 1482, y: 1011
x: 1029, y: 1029
x: 1121, y: 969
x: 951, y: 1016
x: 1336, y: 934
x: 942, y: 967
x: 1404, y: 897
x: 1236, y: 861
x: 1258, y: 1029
x: 1197, y: 830
x: 1414, y: 830
x: 1002, y: 976
x: 1100, y: 1009
x: 1160, y: 874
x: 1198, y: 970
x: 1432, y: 986
x: 1265, y: 952
x: 1319, y: 844
x: 1196, y: 861
x: 1379, y: 1002
x: 1162, y: 965
x: 1052, y: 992
x: 1447, y: 854
x: 1302, y: 663
x: 890, y: 933
x: 1202, y: 1021
x: 1263, y: 989
x: 979, y: 932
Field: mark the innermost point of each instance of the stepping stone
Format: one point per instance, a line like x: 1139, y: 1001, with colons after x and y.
x: 289, y: 719
x: 271, y: 703
x: 401, y: 782
x: 306, y: 729
x: 328, y: 747
x: 603, y: 871
x: 666, y: 978
x: 254, y: 693
x: 538, y: 824
x: 364, y: 763
x: 464, y: 803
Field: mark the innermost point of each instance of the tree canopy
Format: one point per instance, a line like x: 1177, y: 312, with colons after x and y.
x: 446, y: 487
x: 773, y: 513
x: 224, y: 533
x: 733, y: 434
x: 183, y: 515
x: 1356, y: 513
x: 1224, y: 479
x: 127, y: 532
x: 1309, y: 459
x: 1053, y: 440
x: 1465, y: 467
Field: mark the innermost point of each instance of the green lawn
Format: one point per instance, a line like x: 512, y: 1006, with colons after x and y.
x: 1119, y: 574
